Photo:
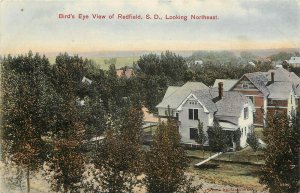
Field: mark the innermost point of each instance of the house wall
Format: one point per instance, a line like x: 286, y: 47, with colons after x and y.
x: 245, y: 125
x: 259, y: 100
x: 286, y: 106
x: 162, y: 112
x: 186, y: 123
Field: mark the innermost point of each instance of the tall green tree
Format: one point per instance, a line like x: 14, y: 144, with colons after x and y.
x: 218, y: 140
x: 280, y: 173
x: 26, y: 103
x: 118, y: 157
x: 166, y: 161
x: 66, y: 162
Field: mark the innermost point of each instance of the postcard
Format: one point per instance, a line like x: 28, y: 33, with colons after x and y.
x: 150, y: 96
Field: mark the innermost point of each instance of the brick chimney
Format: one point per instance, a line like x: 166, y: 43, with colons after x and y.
x: 220, y: 90
x: 272, y: 76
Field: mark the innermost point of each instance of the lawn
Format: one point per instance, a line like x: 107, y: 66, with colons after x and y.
x: 237, y: 169
x: 238, y: 175
x: 259, y: 132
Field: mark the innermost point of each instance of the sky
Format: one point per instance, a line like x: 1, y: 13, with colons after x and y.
x: 241, y: 24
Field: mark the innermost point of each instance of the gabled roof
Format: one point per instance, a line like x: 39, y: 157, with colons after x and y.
x: 206, y: 98
x: 176, y: 95
x: 227, y: 83
x: 259, y: 79
x: 170, y: 90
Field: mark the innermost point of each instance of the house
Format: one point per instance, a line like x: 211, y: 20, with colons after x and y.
x: 273, y: 91
x: 227, y: 83
x: 194, y: 102
x: 294, y: 62
x: 125, y: 71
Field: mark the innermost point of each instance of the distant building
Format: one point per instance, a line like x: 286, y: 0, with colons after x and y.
x: 251, y: 63
x: 125, y: 71
x: 198, y: 62
x: 294, y: 61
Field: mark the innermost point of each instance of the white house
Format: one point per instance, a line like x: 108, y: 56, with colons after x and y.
x: 188, y: 104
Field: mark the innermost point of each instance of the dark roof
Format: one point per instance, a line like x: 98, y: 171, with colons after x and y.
x: 231, y: 103
x: 259, y: 79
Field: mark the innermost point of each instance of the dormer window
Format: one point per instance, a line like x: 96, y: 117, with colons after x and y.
x: 245, y: 86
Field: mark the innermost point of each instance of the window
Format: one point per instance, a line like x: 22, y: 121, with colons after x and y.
x: 246, y: 113
x: 167, y: 112
x: 193, y: 114
x: 251, y: 98
x: 245, y: 86
x: 193, y: 133
x: 177, y: 115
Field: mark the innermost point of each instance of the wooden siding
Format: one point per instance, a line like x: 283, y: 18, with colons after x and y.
x: 278, y: 103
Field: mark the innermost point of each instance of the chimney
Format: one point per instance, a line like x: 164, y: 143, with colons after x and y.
x: 220, y: 90
x: 272, y: 76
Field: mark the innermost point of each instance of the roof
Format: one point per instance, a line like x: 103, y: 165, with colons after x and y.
x: 227, y: 83
x: 280, y: 90
x: 282, y: 75
x: 259, y: 79
x: 127, y: 72
x: 284, y: 81
x: 232, y: 104
x: 170, y: 90
x: 149, y: 117
x: 206, y: 97
x: 175, y: 96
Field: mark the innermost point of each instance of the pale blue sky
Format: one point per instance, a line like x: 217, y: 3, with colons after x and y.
x: 243, y: 24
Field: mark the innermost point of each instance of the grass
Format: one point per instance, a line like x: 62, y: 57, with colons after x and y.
x: 246, y: 155
x: 150, y: 129
x: 259, y: 132
x: 239, y: 175
x: 121, y: 61
x: 237, y: 169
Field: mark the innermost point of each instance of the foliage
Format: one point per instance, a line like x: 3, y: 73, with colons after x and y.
x: 201, y: 138
x: 66, y: 162
x: 218, y: 140
x: 281, y: 170
x: 118, y: 158
x: 253, y: 141
x: 24, y: 110
x: 166, y: 161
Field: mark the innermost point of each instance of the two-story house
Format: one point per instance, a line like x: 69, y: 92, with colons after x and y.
x: 276, y: 90
x: 231, y: 109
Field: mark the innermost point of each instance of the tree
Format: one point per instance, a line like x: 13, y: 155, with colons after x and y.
x: 280, y: 173
x: 201, y: 138
x: 66, y: 162
x: 218, y: 140
x: 166, y: 161
x: 24, y: 110
x: 118, y: 158
x: 253, y: 141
